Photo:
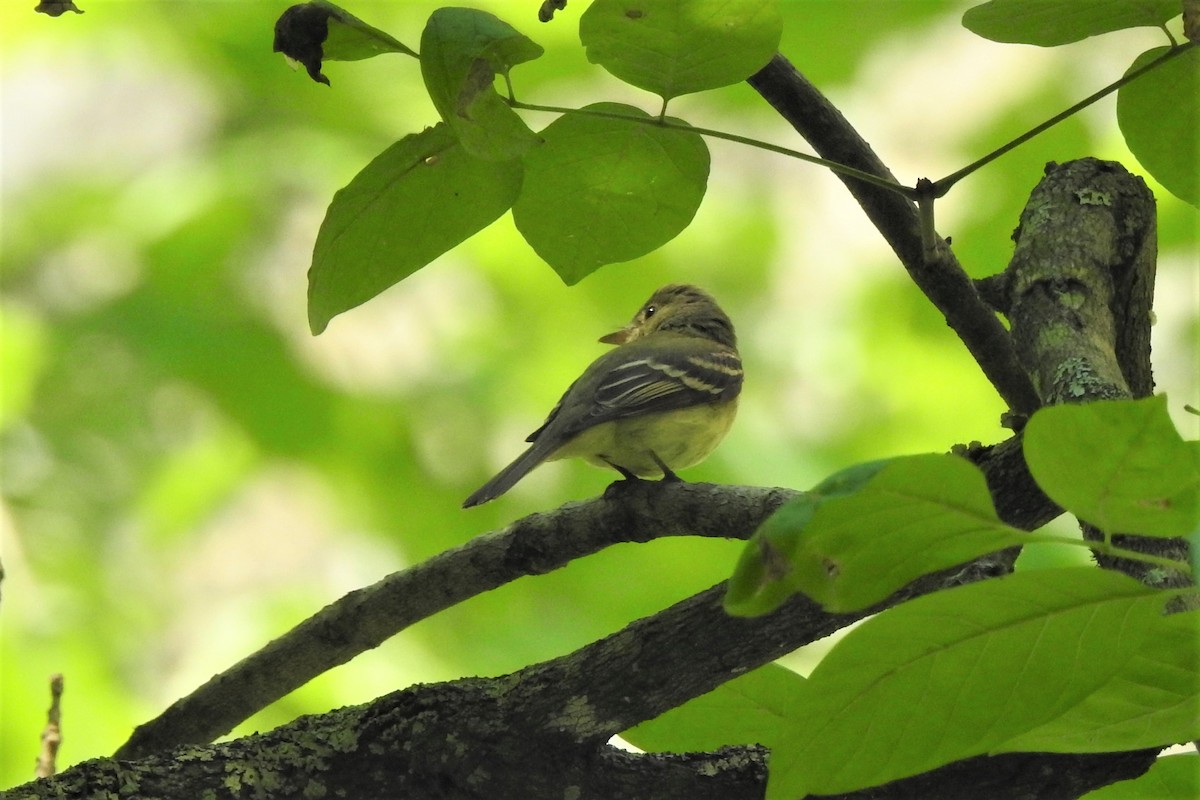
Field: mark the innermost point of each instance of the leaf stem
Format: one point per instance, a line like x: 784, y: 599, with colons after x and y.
x: 660, y: 122
x: 1107, y: 547
x: 944, y: 184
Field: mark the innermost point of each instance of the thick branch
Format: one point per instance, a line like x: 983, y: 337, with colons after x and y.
x: 440, y: 741
x: 365, y: 618
x: 1079, y: 290
x: 540, y: 733
x: 1081, y: 282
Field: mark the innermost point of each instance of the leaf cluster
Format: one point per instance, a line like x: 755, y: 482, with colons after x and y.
x: 608, y: 182
x: 592, y: 188
x: 978, y: 669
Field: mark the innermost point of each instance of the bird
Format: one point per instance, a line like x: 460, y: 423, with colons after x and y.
x: 662, y: 400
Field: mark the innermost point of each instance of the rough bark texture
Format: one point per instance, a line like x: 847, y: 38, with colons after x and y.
x: 1081, y: 282
x: 1079, y: 291
x: 1078, y: 327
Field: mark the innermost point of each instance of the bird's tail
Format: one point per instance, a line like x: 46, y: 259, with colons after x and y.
x: 508, y: 476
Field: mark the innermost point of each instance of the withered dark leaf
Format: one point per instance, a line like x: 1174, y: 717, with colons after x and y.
x: 546, y: 12
x: 55, y: 8
x: 299, y: 33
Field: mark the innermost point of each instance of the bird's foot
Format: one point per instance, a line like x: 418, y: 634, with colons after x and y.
x: 625, y: 474
x: 668, y: 473
x: 628, y: 480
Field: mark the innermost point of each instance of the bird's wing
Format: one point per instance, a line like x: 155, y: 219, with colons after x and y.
x: 639, y: 379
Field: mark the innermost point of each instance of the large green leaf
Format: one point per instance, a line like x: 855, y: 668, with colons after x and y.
x: 1053, y: 22
x: 746, y: 710
x: 1159, y: 115
x: 1154, y: 699
x: 319, y: 30
x: 1170, y: 778
x: 673, y: 47
x: 853, y: 548
x: 956, y: 673
x: 462, y: 52
x: 1118, y: 464
x: 415, y: 201
x: 764, y: 576
x: 602, y: 190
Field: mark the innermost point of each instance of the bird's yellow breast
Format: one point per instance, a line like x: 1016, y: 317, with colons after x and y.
x: 679, y: 438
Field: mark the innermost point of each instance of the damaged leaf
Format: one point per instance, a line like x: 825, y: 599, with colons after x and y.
x: 462, y: 52
x: 312, y: 32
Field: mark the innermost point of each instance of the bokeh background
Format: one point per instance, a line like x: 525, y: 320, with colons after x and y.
x: 187, y: 472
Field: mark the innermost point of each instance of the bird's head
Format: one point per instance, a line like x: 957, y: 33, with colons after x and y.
x: 677, y: 308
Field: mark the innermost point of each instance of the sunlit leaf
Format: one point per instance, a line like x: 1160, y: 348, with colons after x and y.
x: 415, y: 201
x: 1053, y: 22
x: 601, y: 190
x: 954, y: 674
x: 674, y: 47
x: 1159, y: 115
x: 462, y: 52
x: 1118, y: 464
x: 916, y: 515
x: 1169, y: 778
x: 319, y: 30
x: 1153, y: 700
x: 764, y: 576
x: 745, y: 710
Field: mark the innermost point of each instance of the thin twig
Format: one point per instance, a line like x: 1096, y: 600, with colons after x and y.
x: 943, y: 185
x: 52, y: 734
x: 662, y: 122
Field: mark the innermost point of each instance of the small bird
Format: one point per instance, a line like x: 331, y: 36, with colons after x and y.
x: 661, y: 401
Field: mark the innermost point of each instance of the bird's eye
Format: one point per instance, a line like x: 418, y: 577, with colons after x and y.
x: 649, y: 311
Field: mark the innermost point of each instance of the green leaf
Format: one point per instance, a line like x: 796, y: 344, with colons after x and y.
x: 602, y: 190
x: 1118, y: 464
x: 415, y: 201
x: 918, y: 515
x: 311, y: 32
x: 1048, y: 23
x: 674, y: 47
x: 1154, y: 700
x: 1159, y: 114
x: 954, y: 674
x: 1169, y: 778
x: 745, y: 710
x: 848, y: 550
x: 462, y: 52
x: 763, y: 577
x: 852, y: 478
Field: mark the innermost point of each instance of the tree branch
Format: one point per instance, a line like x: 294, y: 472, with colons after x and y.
x: 541, y: 732
x: 1079, y: 290
x: 365, y: 618
x: 939, y: 275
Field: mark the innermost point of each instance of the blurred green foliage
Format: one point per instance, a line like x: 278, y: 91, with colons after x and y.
x: 187, y: 472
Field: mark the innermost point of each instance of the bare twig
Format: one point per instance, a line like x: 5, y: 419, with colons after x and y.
x: 52, y: 734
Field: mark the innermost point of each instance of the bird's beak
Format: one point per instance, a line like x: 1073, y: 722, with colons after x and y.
x: 622, y: 336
